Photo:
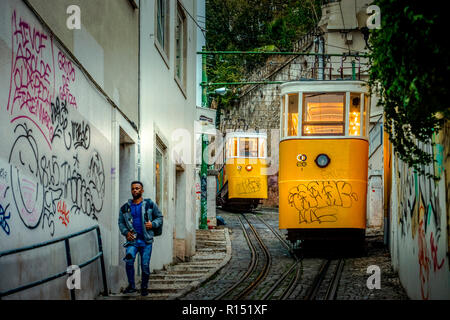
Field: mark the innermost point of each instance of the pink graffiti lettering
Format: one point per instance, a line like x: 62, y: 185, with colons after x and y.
x: 32, y: 74
x: 68, y: 77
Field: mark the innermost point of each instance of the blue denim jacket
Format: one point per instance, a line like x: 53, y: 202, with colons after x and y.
x: 149, y: 211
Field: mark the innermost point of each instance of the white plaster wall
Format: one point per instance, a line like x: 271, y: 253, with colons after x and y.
x: 201, y: 41
x: 166, y: 111
x: 56, y: 162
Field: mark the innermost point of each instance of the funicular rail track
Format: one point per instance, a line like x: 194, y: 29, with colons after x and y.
x: 287, y: 282
x: 243, y: 293
x: 314, y: 291
x: 295, y: 268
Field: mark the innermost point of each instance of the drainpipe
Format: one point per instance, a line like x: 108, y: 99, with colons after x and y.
x: 139, y: 99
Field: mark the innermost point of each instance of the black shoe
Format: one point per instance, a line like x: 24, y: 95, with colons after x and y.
x: 129, y: 289
x: 144, y: 292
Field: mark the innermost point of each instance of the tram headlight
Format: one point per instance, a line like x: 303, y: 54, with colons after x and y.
x: 322, y: 160
x: 248, y: 168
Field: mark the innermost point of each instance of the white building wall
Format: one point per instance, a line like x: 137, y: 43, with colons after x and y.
x: 167, y: 112
x: 55, y: 157
x: 201, y: 41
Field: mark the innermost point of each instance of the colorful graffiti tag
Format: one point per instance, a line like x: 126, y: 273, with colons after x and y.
x: 421, y: 213
x: 51, y: 166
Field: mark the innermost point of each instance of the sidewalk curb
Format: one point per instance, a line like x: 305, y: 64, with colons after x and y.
x: 195, y: 284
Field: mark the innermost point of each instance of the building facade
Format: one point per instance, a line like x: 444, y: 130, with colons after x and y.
x: 93, y: 96
x: 168, y: 87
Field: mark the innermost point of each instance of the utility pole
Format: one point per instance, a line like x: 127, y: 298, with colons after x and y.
x: 204, y: 166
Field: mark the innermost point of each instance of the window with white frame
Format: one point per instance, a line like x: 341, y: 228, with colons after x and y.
x: 160, y: 181
x: 180, y: 47
x: 162, y: 26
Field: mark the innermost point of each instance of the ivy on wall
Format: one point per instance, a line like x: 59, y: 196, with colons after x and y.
x: 410, y: 72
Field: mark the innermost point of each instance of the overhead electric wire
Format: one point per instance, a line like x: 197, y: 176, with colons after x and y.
x: 202, y: 29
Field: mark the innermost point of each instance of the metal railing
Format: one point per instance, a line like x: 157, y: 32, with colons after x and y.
x: 69, y: 262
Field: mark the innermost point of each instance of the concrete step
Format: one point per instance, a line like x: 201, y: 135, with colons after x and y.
x: 171, y: 276
x: 203, y: 238
x: 210, y: 258
x: 135, y: 296
x: 166, y: 288
x: 213, y: 243
x: 210, y: 250
x: 190, y: 268
x: 198, y: 273
x: 181, y: 281
x: 205, y: 262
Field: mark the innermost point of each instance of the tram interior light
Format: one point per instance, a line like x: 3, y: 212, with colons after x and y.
x: 354, y: 123
x: 322, y: 160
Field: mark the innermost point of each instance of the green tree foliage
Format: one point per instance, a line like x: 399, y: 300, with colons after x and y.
x: 252, y: 25
x: 410, y: 70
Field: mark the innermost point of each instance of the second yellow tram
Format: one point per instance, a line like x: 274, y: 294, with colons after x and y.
x: 242, y: 181
x: 323, y: 159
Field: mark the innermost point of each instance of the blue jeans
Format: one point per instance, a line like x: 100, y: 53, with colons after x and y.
x: 145, y: 250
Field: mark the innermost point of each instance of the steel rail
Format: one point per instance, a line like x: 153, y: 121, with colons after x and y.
x: 297, y: 264
x: 268, y: 261
x: 293, y: 284
x: 251, y: 267
x: 333, y: 286
x: 283, y: 241
x: 314, y: 289
x: 277, y: 284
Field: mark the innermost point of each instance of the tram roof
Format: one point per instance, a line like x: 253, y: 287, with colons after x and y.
x: 324, y: 86
x: 244, y: 134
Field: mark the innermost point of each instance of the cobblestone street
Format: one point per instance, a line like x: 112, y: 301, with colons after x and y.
x: 352, y: 284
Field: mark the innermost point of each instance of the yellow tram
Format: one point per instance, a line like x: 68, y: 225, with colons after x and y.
x: 323, y: 159
x: 242, y: 181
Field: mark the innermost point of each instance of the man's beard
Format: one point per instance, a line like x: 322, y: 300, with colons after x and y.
x: 136, y: 196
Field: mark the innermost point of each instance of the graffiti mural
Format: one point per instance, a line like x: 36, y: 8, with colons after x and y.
x: 421, y: 213
x: 53, y: 173
x: 317, y: 201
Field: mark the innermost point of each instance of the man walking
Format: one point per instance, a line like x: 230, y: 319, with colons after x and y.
x: 139, y: 220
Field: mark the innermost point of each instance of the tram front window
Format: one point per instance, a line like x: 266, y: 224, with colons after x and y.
x: 262, y: 147
x: 354, y: 121
x: 231, y: 147
x: 248, y: 147
x: 292, y: 115
x: 366, y: 107
x: 323, y: 114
